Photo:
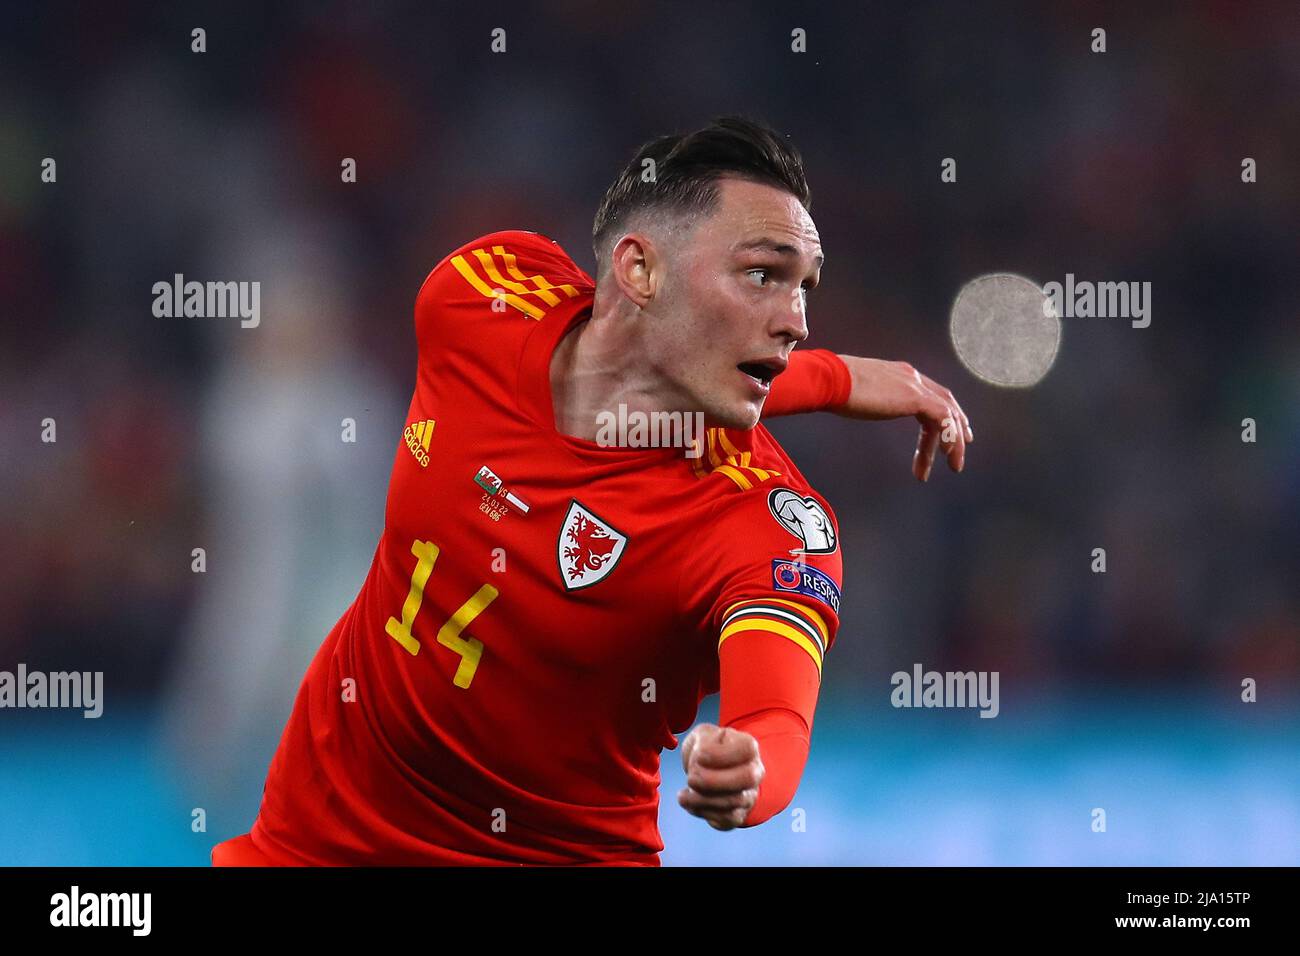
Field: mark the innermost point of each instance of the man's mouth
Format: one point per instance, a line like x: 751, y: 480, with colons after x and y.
x: 763, y: 370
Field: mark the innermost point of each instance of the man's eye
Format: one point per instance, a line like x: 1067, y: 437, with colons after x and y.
x: 758, y: 272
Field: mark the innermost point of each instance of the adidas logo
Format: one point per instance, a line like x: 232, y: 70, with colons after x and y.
x: 417, y: 439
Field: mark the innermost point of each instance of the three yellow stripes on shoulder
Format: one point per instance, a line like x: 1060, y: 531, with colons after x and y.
x: 511, y: 291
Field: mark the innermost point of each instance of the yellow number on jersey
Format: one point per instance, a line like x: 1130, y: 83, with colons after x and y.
x: 426, y: 552
x: 470, y: 649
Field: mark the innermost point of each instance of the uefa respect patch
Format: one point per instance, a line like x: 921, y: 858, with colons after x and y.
x: 796, y: 578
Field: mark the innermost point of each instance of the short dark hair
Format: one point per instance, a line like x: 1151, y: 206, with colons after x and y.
x: 687, y: 168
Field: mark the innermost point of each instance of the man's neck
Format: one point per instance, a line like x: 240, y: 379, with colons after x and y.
x: 593, y: 370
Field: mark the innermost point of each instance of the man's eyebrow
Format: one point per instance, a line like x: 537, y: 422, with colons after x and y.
x: 781, y: 248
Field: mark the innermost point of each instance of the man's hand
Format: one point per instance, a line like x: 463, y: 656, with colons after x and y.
x: 884, y: 389
x: 723, y: 771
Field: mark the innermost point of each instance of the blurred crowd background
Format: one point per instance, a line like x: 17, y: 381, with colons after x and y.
x: 1118, y: 690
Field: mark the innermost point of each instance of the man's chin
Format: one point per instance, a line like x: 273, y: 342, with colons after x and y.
x: 741, y: 416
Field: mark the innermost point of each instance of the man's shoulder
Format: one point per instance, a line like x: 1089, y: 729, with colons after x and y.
x: 762, y: 499
x: 760, y: 513
x: 480, y: 291
x: 767, y: 533
x: 753, y: 464
x: 517, y: 268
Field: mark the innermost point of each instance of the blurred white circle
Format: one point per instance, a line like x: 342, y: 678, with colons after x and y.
x: 1005, y: 330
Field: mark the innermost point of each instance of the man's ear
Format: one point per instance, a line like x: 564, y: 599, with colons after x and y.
x: 636, y: 266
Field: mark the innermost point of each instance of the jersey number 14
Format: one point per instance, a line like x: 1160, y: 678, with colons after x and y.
x: 470, y: 649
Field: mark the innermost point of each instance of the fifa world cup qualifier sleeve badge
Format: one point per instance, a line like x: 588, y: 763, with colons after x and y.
x: 805, y: 518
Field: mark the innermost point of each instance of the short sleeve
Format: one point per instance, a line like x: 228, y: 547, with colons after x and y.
x: 774, y: 566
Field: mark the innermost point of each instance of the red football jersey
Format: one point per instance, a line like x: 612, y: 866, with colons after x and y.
x: 543, y: 614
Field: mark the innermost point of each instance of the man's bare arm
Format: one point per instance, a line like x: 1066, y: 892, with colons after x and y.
x: 875, y: 390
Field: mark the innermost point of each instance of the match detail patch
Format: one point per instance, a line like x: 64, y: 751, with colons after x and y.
x: 796, y: 578
x: 805, y: 518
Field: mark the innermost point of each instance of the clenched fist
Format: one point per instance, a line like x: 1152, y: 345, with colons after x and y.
x: 723, y: 771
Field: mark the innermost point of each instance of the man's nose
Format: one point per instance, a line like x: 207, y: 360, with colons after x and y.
x: 792, y: 322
